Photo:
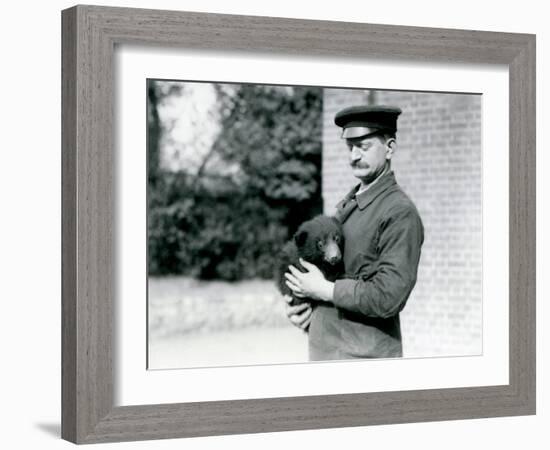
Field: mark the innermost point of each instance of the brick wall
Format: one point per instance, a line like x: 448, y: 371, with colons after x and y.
x: 438, y: 164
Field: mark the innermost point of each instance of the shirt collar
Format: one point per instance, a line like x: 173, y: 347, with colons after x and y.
x: 360, y: 189
x: 367, y: 196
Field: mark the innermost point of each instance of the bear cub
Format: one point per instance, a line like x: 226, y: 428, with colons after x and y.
x: 319, y: 241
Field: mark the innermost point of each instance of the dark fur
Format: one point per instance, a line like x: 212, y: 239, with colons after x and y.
x: 316, y: 241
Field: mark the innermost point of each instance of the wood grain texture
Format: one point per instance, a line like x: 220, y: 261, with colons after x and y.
x: 68, y: 226
x: 523, y: 225
x: 89, y: 36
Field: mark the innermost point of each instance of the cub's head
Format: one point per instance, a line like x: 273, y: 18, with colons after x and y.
x: 320, y: 241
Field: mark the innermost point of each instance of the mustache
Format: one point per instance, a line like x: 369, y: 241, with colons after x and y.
x: 359, y: 166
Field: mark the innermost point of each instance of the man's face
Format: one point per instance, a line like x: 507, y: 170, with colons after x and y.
x: 369, y: 155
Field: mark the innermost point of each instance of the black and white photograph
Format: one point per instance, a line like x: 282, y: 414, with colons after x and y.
x: 298, y: 224
x: 275, y: 225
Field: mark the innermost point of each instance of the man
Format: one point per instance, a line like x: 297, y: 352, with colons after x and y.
x: 358, y: 316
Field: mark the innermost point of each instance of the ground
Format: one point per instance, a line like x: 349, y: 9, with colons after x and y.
x: 198, y: 324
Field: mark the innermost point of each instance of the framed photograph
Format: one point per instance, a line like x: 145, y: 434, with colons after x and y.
x: 392, y: 167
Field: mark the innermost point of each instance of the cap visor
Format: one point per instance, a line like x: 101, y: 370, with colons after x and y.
x: 357, y: 132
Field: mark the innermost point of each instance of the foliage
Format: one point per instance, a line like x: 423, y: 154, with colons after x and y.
x: 231, y: 226
x: 275, y: 135
x: 157, y: 93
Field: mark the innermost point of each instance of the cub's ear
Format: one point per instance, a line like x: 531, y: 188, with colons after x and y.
x: 300, y: 238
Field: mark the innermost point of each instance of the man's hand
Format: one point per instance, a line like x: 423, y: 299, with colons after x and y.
x: 311, y: 284
x: 299, y: 315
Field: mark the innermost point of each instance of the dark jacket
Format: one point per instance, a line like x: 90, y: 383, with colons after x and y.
x: 383, y: 235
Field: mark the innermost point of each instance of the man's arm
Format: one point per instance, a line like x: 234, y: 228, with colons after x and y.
x: 384, y: 291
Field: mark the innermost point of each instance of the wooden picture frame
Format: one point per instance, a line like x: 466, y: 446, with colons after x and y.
x: 90, y: 34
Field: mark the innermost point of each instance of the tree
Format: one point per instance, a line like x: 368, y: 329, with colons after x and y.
x: 158, y: 92
x: 273, y: 134
x: 230, y: 224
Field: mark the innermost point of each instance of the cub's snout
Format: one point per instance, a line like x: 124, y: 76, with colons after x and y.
x: 333, y: 254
